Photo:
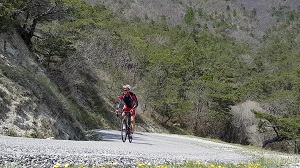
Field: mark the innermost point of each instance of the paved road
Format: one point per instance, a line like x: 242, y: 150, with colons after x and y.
x: 175, y: 147
x: 146, y: 148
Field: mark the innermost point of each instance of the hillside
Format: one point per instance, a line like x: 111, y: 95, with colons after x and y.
x: 241, y: 19
x: 218, y: 69
x: 31, y: 104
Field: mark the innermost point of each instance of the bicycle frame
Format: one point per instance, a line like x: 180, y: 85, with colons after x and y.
x: 126, y: 121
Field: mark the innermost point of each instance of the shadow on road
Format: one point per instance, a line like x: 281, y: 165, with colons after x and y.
x: 114, y: 135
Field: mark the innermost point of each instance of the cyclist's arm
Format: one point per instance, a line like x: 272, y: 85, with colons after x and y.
x: 119, y: 101
x: 135, y: 102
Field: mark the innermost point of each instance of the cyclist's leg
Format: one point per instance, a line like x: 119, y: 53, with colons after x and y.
x: 133, y: 120
x: 122, y: 117
x: 127, y: 109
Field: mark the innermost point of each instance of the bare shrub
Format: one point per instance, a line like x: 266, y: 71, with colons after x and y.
x: 159, y: 39
x: 245, y: 123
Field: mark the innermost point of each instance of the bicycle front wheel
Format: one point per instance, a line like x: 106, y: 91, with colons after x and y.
x: 129, y: 129
x: 129, y: 136
x: 124, y: 130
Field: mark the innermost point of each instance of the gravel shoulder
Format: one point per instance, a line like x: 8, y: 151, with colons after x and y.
x: 148, y: 148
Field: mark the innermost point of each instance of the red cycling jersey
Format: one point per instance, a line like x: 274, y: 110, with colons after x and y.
x: 129, y: 100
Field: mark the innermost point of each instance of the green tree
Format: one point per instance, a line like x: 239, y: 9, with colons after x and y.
x: 34, y: 12
x: 8, y: 11
x: 189, y: 17
x: 54, y: 49
x: 285, y: 127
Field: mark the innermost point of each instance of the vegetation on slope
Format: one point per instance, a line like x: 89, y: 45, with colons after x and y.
x: 190, y: 75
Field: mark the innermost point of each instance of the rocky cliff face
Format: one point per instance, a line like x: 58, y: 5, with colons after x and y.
x: 31, y: 105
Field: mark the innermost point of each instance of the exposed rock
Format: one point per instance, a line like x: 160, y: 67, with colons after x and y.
x: 30, y: 105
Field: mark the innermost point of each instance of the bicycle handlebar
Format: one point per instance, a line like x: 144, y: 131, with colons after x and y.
x: 122, y: 112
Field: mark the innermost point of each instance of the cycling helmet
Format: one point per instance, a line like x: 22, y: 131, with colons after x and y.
x: 127, y: 87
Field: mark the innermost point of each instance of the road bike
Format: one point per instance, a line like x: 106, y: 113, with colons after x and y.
x: 126, y: 127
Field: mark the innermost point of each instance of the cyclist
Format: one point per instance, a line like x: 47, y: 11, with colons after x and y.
x: 130, y: 102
